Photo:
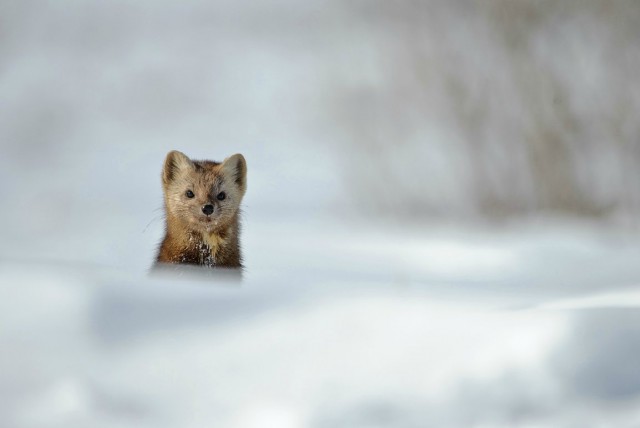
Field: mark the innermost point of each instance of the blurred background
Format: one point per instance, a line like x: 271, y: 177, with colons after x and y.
x: 411, y: 111
x: 475, y: 151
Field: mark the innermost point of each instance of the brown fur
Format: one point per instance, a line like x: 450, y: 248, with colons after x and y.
x: 191, y: 236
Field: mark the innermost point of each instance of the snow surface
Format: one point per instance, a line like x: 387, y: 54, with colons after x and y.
x: 334, y: 327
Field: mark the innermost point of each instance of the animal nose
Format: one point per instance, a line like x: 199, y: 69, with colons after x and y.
x: 207, y: 209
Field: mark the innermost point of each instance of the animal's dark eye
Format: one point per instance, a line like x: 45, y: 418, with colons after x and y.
x: 221, y: 196
x: 189, y: 194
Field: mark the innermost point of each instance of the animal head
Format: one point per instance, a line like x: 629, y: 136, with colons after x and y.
x: 203, y: 195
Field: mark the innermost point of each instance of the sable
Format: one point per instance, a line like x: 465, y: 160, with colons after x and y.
x: 202, y: 207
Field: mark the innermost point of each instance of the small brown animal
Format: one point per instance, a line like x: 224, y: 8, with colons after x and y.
x: 202, y: 207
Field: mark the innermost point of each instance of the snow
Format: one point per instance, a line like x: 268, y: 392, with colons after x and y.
x: 529, y: 330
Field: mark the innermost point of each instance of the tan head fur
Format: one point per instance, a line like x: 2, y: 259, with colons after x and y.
x: 192, y: 188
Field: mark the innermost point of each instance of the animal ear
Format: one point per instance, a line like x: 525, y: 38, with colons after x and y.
x: 174, y: 163
x: 236, y: 167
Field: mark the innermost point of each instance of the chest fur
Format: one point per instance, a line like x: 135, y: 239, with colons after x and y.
x: 213, y: 242
x: 205, y: 250
x: 209, y: 250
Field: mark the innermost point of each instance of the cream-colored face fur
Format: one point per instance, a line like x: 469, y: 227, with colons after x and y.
x: 191, y: 185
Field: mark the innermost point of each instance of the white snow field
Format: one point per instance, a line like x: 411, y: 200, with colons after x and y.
x: 334, y: 327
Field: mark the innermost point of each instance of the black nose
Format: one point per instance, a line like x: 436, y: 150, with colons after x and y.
x: 207, y: 209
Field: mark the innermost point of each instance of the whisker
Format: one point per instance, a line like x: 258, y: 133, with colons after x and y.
x: 149, y: 224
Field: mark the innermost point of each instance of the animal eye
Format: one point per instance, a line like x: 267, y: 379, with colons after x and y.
x: 189, y: 194
x: 221, y: 196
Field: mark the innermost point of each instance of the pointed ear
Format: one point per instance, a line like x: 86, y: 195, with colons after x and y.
x: 174, y: 163
x: 236, y: 167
